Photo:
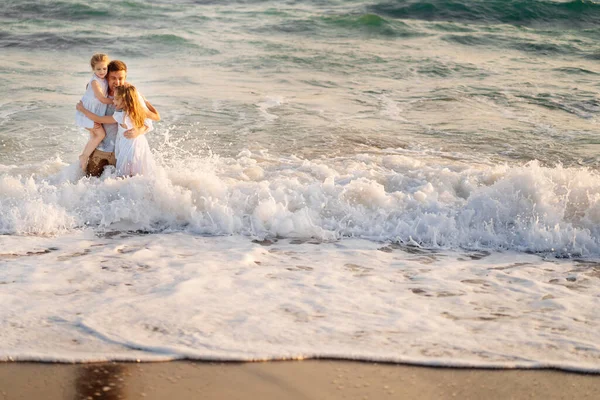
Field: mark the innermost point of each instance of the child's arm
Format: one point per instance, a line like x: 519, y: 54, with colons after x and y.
x: 107, y: 119
x: 99, y: 95
x: 151, y: 113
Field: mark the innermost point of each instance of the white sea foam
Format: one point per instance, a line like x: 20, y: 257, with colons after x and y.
x: 402, y: 256
x: 79, y: 297
x: 395, y: 196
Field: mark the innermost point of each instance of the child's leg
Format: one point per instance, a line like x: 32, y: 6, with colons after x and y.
x: 97, y: 134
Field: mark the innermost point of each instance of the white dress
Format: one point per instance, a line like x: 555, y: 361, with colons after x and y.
x: 91, y: 103
x: 133, y: 155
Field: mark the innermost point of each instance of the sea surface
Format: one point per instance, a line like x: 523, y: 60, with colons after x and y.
x: 408, y: 181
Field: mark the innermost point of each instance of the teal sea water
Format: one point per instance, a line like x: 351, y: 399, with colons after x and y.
x: 410, y: 181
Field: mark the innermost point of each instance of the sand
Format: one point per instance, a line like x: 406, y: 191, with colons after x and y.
x: 314, y: 379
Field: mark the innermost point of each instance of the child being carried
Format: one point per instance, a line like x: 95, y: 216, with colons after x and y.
x: 94, y: 100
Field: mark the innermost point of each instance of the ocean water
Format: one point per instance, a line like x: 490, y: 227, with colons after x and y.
x: 407, y: 181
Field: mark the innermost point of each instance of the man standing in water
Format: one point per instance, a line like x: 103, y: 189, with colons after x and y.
x: 105, y: 152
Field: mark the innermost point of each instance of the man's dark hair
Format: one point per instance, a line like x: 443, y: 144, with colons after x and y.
x: 116, y: 65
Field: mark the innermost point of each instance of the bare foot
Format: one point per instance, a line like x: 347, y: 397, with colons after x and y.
x: 83, y: 161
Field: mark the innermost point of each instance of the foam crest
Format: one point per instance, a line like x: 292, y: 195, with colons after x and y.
x: 391, y: 197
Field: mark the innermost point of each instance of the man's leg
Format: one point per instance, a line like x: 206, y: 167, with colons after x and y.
x: 112, y: 160
x: 97, y: 161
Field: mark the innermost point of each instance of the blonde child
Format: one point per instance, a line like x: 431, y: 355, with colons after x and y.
x: 96, y: 101
x: 133, y: 154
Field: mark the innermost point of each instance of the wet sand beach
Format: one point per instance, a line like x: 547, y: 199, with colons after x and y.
x: 323, y: 379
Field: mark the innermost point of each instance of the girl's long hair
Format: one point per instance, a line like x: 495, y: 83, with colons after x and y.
x: 131, y: 104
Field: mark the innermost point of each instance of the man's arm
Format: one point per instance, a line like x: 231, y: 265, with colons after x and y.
x: 135, y: 132
x: 107, y: 119
x: 151, y: 113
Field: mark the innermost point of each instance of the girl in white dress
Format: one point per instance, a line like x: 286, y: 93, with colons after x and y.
x: 94, y: 100
x: 133, y: 155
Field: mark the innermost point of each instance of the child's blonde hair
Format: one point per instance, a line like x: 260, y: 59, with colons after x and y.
x: 131, y: 104
x: 98, y: 57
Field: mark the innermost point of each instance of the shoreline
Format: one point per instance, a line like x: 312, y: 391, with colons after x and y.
x: 309, y: 379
